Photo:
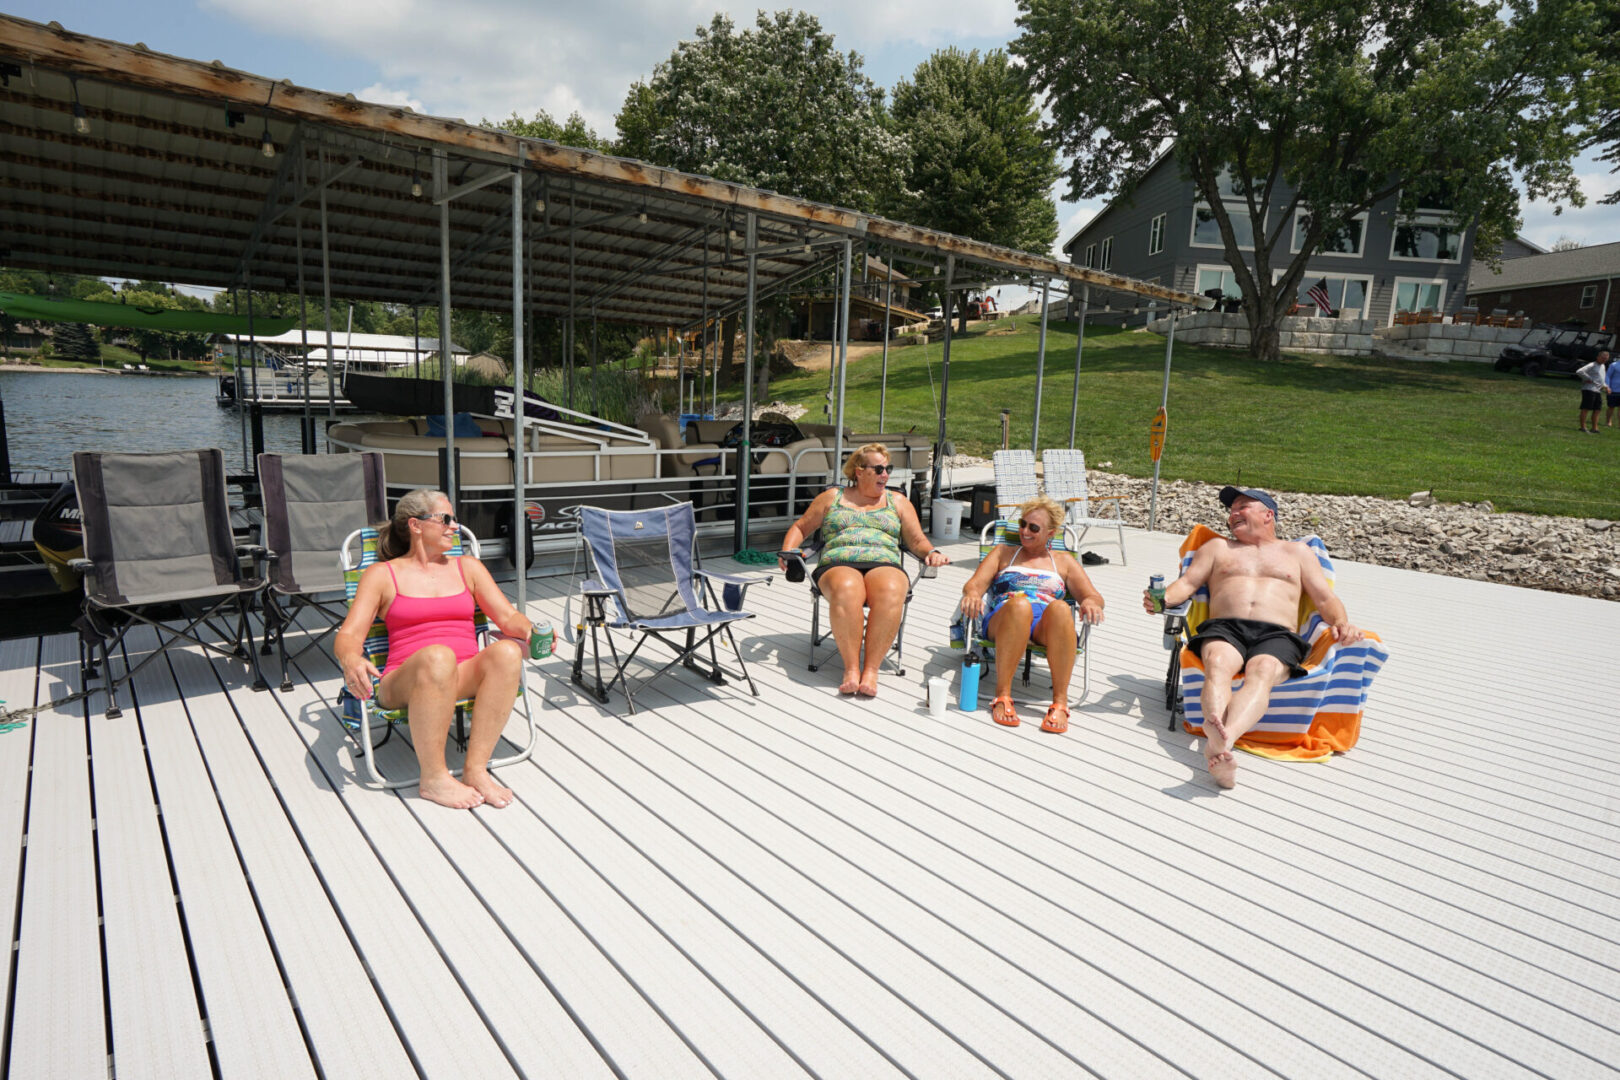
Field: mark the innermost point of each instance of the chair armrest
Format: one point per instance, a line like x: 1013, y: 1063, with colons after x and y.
x: 733, y: 587
x: 733, y: 579
x: 80, y: 566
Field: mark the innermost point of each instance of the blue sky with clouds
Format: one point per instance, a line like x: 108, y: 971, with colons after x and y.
x: 486, y: 58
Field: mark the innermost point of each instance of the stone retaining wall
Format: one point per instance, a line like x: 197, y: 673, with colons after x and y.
x: 1443, y: 341
x: 1350, y: 337
x: 1354, y: 337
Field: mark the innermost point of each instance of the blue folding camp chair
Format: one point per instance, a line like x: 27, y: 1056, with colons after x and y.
x: 360, y: 551
x: 645, y: 580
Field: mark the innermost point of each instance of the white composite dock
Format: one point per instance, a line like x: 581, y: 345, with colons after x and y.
x: 801, y: 884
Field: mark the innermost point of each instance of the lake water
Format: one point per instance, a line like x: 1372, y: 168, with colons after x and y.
x: 50, y: 414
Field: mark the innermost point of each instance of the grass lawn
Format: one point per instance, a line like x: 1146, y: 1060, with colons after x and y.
x: 1337, y: 425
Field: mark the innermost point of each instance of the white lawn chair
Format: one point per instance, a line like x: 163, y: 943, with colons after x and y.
x: 1015, y: 480
x: 1066, y: 482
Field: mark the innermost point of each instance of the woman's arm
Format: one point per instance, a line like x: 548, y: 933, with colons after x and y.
x: 1078, y: 582
x: 916, y: 541
x: 493, y: 603
x: 348, y: 645
x: 973, y: 592
x: 808, y: 522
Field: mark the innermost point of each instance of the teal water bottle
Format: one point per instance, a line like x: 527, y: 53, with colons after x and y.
x: 968, y: 689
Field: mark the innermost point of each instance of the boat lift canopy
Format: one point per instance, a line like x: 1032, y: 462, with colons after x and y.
x: 128, y: 163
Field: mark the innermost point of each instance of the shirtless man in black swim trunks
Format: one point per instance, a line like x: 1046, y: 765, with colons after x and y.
x: 1254, y: 584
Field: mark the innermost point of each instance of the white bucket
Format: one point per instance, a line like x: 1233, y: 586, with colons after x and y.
x: 946, y: 517
x: 939, y: 689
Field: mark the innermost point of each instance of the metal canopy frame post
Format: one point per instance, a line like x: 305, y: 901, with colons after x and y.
x: 1164, y: 403
x: 326, y: 290
x: 888, y: 307
x: 520, y: 538
x: 745, y: 457
x: 1040, y: 372
x: 843, y: 355
x: 306, y: 420
x: 441, y: 189
x: 1079, y: 350
x: 944, y: 382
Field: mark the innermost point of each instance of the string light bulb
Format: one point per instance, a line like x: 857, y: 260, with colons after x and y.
x: 267, y: 145
x: 81, y: 122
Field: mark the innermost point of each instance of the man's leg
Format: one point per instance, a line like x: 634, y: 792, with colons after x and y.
x: 1261, y: 676
x: 1222, y: 662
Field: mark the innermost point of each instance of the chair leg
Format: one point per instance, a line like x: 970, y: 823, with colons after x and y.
x: 1172, y: 689
x: 815, y: 629
x: 247, y: 638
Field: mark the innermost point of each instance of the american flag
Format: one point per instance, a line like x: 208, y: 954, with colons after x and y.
x: 1319, y: 295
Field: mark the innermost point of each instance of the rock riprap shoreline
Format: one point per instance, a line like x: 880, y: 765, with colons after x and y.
x: 1471, y: 540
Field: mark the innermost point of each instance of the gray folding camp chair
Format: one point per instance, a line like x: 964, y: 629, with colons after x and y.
x: 311, y: 502
x: 159, y: 550
x: 646, y: 581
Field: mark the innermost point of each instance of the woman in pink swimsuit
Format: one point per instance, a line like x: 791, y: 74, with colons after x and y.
x: 1020, y: 593
x: 426, y: 600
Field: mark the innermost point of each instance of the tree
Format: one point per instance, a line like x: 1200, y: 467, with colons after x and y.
x: 776, y: 107
x: 76, y: 341
x: 978, y: 165
x: 1606, y: 92
x: 1324, y: 107
x: 574, y: 132
x: 1565, y: 243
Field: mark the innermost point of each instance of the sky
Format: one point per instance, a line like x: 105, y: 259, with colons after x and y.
x: 485, y: 59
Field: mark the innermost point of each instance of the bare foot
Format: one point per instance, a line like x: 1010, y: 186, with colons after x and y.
x: 850, y: 684
x: 448, y: 791
x: 868, y: 686
x: 482, y: 782
x: 1218, y: 755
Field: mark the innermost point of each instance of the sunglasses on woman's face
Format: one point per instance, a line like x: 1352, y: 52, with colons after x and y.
x: 880, y: 468
x: 446, y: 520
x: 1032, y: 526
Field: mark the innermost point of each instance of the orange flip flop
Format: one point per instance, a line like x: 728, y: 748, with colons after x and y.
x: 1009, y: 718
x: 1057, y: 719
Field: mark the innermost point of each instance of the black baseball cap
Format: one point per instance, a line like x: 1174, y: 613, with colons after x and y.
x: 1230, y: 495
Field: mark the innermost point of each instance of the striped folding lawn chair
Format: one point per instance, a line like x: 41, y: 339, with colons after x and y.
x: 1003, y: 533
x: 1309, y: 718
x: 357, y: 716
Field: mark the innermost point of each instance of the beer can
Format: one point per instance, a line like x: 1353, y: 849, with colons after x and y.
x: 1156, y: 582
x: 541, y: 641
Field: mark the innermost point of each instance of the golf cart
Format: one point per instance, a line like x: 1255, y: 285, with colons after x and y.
x: 1568, y: 348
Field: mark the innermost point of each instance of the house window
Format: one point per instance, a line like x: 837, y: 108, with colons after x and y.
x: 1503, y: 298
x: 1347, y: 239
x: 1206, y: 233
x: 1347, y: 294
x: 1107, y: 253
x: 1427, y: 239
x: 1217, y: 277
x: 1091, y: 255
x: 1415, y: 294
x: 1156, y: 234
x: 1588, y: 296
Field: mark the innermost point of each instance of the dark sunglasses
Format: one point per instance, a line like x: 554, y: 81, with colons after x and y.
x: 446, y: 520
x: 1030, y: 525
x: 878, y: 468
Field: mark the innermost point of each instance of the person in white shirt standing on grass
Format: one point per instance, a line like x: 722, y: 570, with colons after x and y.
x: 1614, y: 394
x: 1592, y: 386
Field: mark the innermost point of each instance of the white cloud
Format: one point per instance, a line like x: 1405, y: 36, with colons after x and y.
x: 484, y: 58
x: 1072, y: 217
x: 378, y: 94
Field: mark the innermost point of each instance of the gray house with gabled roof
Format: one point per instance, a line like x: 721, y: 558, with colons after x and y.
x: 1164, y: 232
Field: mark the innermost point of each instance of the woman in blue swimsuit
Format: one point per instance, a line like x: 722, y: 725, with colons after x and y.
x: 1020, y: 592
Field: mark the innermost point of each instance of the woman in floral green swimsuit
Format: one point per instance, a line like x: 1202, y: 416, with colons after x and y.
x: 863, y: 526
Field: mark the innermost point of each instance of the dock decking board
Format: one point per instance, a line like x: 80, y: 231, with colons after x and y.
x: 723, y: 885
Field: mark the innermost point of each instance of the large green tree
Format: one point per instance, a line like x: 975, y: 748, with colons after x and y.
x: 978, y: 165
x: 1317, y: 104
x: 776, y: 106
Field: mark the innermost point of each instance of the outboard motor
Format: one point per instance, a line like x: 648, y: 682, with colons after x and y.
x: 59, y: 536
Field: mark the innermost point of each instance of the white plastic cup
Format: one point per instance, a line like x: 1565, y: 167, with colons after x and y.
x: 938, y: 689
